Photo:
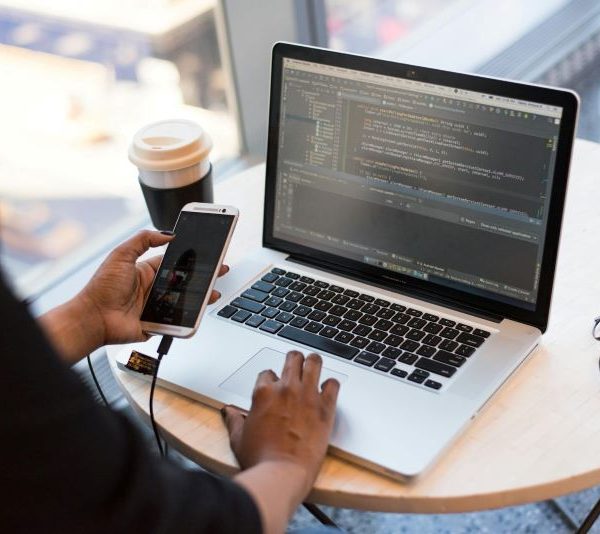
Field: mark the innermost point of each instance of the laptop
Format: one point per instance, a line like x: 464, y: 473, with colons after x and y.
x: 411, y: 228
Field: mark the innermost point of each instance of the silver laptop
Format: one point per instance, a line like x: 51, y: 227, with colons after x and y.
x: 411, y: 227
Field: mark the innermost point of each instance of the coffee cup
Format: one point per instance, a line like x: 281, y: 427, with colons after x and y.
x: 174, y: 168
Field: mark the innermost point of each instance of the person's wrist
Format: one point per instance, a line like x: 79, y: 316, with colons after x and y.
x: 91, y: 317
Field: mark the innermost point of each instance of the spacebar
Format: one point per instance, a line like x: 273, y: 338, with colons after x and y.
x: 318, y: 342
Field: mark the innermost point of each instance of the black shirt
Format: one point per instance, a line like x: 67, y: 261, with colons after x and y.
x: 68, y: 464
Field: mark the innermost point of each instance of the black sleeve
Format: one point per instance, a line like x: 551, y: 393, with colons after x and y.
x: 68, y: 464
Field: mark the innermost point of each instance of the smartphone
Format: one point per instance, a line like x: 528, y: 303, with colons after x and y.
x: 188, y: 271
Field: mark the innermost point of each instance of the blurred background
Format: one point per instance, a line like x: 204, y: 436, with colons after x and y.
x: 80, y: 76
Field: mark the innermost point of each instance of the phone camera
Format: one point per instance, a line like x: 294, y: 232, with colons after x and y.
x: 223, y: 210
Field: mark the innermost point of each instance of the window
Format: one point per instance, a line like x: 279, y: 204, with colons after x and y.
x: 78, y: 79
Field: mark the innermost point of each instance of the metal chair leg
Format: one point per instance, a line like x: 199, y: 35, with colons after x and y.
x: 590, y: 519
x: 319, y: 515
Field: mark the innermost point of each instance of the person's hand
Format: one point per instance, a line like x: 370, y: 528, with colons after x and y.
x: 290, y: 419
x: 119, y: 287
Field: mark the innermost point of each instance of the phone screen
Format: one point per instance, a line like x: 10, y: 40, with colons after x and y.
x: 187, y: 269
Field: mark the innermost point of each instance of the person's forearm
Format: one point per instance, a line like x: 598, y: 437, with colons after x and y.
x: 73, y: 328
x: 277, y: 488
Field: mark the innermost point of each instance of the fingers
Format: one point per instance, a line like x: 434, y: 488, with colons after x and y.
x: 264, y: 379
x: 234, y: 421
x: 154, y: 262
x: 223, y: 270
x: 312, y: 371
x: 292, y: 370
x: 329, y: 393
x: 214, y: 296
x: 134, y: 247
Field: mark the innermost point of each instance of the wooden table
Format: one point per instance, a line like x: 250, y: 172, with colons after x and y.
x: 540, y: 436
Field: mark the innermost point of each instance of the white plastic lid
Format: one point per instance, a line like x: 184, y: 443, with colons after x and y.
x: 169, y: 145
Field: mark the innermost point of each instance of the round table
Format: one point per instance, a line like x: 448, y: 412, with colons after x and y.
x: 537, y: 439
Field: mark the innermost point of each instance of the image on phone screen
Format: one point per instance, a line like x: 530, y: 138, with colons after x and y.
x: 187, y: 269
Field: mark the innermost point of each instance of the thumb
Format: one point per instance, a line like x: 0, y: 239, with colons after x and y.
x: 234, y: 421
x: 137, y: 245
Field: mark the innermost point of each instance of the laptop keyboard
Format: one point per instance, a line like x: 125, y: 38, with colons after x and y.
x: 390, y: 338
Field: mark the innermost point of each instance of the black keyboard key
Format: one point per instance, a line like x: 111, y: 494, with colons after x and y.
x: 398, y: 307
x: 391, y: 352
x: 463, y: 327
x: 318, y: 342
x: 284, y: 317
x: 465, y: 350
x: 313, y: 327
x: 322, y: 285
x: 481, y: 333
x: 346, y: 325
x: 433, y: 328
x: 288, y: 306
x: 248, y: 305
x: 355, y: 304
x: 436, y: 367
x: 227, y: 311
x: 323, y: 305
x: 331, y: 320
x: 447, y: 322
x: 360, y: 342
x: 418, y: 376
x: 344, y: 337
x: 338, y: 310
x: 449, y: 358
x: 311, y: 291
x: 316, y: 315
x: 369, y: 320
x: 432, y: 384
x: 377, y: 335
x: 329, y: 331
x: 366, y: 298
x: 269, y: 278
x: 277, y: 270
x: 352, y: 315
x: 415, y: 335
x: 449, y: 333
x: 283, y: 282
x: 371, y: 309
x: 255, y: 321
x: 471, y: 340
x: 307, y: 279
x: 263, y: 286
x: 416, y: 323
x: 426, y: 350
x: 280, y: 292
x: 366, y: 358
x: 430, y: 317
x: 293, y: 276
x: 302, y: 310
x: 414, y: 313
x: 273, y: 301
x: 385, y: 313
x: 399, y: 329
x: 270, y: 326
x: 382, y: 303
x: 297, y: 286
x: 299, y: 322
x: 240, y: 316
x: 382, y: 324
x: 448, y: 344
x: 253, y: 294
x: 362, y: 330
x: 269, y: 313
x: 409, y: 345
x: 431, y: 340
x: 340, y: 299
x: 393, y: 340
x: 351, y: 293
x: 384, y: 364
x: 400, y: 373
x: 336, y: 289
x: 408, y: 358
x: 375, y: 347
x: 401, y: 318
x: 326, y: 294
x: 309, y: 301
x: 294, y: 296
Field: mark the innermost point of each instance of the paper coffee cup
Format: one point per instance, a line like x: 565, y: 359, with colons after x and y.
x: 171, y: 153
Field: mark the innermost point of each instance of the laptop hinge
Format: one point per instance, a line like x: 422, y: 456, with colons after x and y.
x: 421, y: 294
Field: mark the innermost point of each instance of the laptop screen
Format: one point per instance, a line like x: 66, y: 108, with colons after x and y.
x: 439, y: 183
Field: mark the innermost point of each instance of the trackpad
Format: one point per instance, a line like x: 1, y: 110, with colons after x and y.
x: 242, y: 381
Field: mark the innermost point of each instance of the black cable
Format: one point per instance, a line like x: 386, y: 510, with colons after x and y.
x: 163, y: 350
x: 89, y: 360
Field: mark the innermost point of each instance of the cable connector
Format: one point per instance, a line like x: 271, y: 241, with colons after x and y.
x: 165, y: 345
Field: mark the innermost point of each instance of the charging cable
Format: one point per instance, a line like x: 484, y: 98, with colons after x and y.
x: 163, y: 350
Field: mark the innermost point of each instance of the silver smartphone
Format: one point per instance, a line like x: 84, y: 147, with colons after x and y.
x: 188, y: 271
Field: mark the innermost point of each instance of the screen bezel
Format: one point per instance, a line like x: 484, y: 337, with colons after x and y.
x: 188, y: 331
x: 568, y: 100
